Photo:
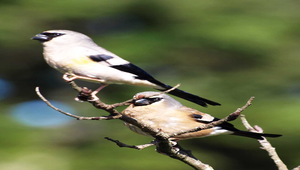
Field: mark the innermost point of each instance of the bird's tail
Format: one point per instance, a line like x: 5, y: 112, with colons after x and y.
x: 255, y: 135
x: 190, y: 97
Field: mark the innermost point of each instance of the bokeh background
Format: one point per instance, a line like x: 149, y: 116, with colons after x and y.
x: 223, y: 51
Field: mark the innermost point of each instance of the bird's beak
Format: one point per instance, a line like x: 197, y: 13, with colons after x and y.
x: 40, y: 37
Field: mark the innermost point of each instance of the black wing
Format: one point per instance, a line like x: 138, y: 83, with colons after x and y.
x: 225, y: 125
x: 100, y: 57
x: 129, y: 68
x: 143, y: 75
x: 138, y: 72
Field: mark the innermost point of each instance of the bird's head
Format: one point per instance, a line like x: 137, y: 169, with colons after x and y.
x: 60, y: 37
x: 154, y: 99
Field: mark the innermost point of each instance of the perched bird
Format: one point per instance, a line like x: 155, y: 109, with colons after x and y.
x: 78, y: 57
x: 162, y: 112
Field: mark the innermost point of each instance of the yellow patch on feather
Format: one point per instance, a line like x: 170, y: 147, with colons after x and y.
x: 80, y: 61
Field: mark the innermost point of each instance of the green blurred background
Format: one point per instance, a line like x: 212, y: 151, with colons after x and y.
x: 223, y: 51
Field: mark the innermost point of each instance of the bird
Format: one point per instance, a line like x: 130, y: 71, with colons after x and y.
x: 164, y: 113
x: 79, y: 57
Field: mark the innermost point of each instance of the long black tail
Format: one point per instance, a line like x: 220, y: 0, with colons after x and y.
x: 142, y: 75
x: 255, y: 135
x: 190, y: 97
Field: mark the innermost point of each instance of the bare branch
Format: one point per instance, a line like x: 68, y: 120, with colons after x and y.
x: 266, y: 145
x: 297, y: 168
x: 138, y: 147
x: 163, y: 145
x: 71, y: 115
x: 85, y: 95
x: 195, y: 163
x: 167, y: 91
x: 249, y: 103
x: 230, y: 117
x: 171, y: 89
x: 75, y: 87
x: 177, y: 152
x: 246, y: 124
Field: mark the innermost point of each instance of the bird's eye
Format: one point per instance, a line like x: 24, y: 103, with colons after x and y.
x: 52, y: 35
x: 146, y: 101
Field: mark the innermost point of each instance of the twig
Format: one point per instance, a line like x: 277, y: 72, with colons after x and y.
x: 171, y: 89
x: 162, y: 139
x: 163, y: 144
x: 230, y: 117
x: 177, y: 152
x: 266, y: 145
x: 195, y: 163
x: 75, y: 87
x: 138, y: 147
x: 249, y: 103
x: 97, y: 103
x: 131, y: 100
x: 114, y: 114
x: 166, y: 91
x: 297, y: 168
x: 165, y: 147
x: 121, y: 104
x: 71, y: 115
x: 246, y: 124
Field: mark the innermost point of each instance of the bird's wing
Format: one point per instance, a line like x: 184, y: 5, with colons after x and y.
x: 112, y: 61
x: 197, y: 115
x: 127, y: 67
x: 206, y: 118
x: 101, y: 58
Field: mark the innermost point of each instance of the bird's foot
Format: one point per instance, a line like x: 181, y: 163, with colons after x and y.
x: 93, y: 96
x: 87, y: 95
x: 68, y: 77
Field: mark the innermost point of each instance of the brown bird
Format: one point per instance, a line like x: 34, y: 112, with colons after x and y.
x: 161, y: 111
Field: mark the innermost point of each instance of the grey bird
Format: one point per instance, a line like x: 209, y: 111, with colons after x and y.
x: 78, y: 57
